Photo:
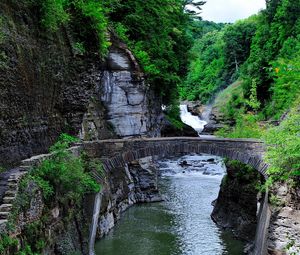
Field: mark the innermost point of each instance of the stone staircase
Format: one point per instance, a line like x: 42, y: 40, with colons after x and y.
x: 9, y: 183
x: 9, y: 186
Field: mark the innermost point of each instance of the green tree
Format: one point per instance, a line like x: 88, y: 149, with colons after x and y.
x: 283, y: 150
x: 158, y: 35
x: 204, y: 76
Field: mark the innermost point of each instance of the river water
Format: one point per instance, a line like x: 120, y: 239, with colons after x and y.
x: 180, y: 225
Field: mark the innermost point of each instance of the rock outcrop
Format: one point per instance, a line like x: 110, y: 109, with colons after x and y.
x: 169, y: 130
x: 284, y: 230
x: 129, y: 101
x: 236, y: 206
x: 136, y: 183
x: 215, y: 121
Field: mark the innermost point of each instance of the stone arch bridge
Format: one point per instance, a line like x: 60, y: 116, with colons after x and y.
x: 119, y: 152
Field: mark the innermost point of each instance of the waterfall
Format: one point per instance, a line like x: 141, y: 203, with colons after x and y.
x: 93, y: 229
x: 194, y: 121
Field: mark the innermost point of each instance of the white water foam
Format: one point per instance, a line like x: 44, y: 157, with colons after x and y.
x: 193, y: 121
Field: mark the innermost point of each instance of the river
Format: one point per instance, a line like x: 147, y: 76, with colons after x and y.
x: 180, y: 225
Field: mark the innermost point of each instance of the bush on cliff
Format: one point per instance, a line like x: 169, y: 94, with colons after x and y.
x: 63, y: 175
x: 62, y: 180
x: 283, y: 148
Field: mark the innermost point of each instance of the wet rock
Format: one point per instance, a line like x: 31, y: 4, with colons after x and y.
x: 215, y: 122
x: 210, y: 160
x: 169, y: 130
x: 184, y: 163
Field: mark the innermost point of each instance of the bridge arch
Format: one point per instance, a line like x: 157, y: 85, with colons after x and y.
x: 119, y: 152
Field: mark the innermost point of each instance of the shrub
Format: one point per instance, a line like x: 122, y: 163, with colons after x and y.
x: 59, y: 12
x: 283, y: 148
x: 64, y: 174
x: 246, y: 127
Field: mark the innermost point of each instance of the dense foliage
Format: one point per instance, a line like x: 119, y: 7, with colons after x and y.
x: 63, y: 175
x: 283, y: 151
x: 204, y: 77
x: 216, y: 58
x: 262, y: 50
x: 262, y: 53
x: 159, y: 33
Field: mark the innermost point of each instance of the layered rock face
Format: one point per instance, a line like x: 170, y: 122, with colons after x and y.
x: 137, y: 183
x: 129, y: 102
x: 47, y: 87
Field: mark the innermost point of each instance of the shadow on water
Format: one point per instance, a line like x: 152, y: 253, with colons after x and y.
x: 233, y: 246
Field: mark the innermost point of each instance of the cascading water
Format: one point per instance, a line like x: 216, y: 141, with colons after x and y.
x: 194, y: 121
x: 93, y: 230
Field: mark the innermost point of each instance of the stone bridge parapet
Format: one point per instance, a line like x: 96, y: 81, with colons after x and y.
x: 119, y: 152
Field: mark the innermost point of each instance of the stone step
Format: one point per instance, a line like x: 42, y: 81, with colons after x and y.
x: 8, y: 200
x: 11, y: 193
x: 3, y: 222
x: 12, y: 185
x: 25, y: 169
x: 5, y: 207
x: 12, y: 180
x: 4, y: 215
x: 3, y: 225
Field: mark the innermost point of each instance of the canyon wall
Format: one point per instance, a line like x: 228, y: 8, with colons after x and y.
x: 236, y: 206
x: 48, y: 87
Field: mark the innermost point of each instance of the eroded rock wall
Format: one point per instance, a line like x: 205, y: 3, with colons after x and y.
x: 132, y: 108
x: 136, y: 183
x: 236, y: 206
x: 284, y: 229
x: 47, y: 87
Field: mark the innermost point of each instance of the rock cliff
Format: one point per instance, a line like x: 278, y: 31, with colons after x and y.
x: 284, y: 230
x: 236, y: 206
x: 48, y: 87
x: 137, y: 183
